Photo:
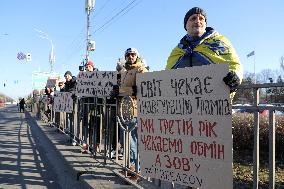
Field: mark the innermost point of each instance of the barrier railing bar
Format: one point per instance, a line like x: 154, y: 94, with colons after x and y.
x: 271, y: 149
x: 256, y: 141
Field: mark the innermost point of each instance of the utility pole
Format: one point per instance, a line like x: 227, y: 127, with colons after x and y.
x: 90, y: 44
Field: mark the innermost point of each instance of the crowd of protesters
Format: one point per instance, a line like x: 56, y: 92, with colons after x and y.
x: 194, y: 49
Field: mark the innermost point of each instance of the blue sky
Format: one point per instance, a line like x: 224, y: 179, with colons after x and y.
x: 153, y: 27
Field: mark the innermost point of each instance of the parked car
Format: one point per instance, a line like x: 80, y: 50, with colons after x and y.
x: 265, y: 112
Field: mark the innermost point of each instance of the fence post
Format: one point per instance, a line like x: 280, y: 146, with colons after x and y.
x: 271, y: 149
x: 104, y: 116
x: 75, y: 121
x: 256, y: 140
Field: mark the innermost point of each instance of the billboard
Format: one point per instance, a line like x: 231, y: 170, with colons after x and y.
x: 39, y: 79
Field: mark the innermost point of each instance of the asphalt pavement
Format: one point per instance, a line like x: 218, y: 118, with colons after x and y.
x: 35, y: 155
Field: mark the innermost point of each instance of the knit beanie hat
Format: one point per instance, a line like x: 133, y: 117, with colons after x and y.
x: 194, y: 10
x: 131, y: 50
x: 68, y: 73
x: 91, y: 63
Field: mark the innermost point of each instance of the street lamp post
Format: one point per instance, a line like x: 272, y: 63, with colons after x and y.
x: 51, y: 55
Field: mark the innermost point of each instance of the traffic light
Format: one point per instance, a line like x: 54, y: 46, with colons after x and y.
x: 4, y: 84
x: 28, y: 57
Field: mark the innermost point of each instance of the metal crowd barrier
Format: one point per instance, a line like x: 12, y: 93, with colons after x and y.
x: 255, y: 108
x: 94, y: 125
x: 95, y: 122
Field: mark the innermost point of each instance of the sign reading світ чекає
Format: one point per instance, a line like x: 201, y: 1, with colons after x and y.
x: 185, y: 126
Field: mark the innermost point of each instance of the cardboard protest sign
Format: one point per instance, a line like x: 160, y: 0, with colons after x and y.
x: 95, y: 84
x: 63, y: 102
x: 185, y: 126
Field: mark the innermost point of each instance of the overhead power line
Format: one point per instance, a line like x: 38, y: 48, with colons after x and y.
x: 109, y: 13
x: 99, y: 11
x: 127, y: 8
x: 119, y: 14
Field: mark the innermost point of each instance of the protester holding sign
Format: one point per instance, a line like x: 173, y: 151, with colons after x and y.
x: 203, y: 45
x: 133, y: 65
x: 69, y: 86
x: 88, y: 124
x: 70, y: 82
x: 90, y: 67
x: 61, y: 86
x: 49, y: 92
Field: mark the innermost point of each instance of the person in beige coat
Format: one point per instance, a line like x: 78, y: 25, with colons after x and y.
x: 133, y: 65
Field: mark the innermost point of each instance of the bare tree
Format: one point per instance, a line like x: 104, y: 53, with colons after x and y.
x: 264, y: 75
x: 282, y: 63
x: 245, y: 95
x: 248, y: 77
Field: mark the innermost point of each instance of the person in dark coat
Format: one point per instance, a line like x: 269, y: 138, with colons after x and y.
x: 69, y: 86
x: 70, y: 82
x: 22, y: 105
x: 61, y: 86
x: 90, y: 66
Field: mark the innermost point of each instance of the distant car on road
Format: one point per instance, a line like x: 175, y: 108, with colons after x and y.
x: 243, y: 110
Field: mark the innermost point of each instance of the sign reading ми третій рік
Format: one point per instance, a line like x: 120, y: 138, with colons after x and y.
x: 185, y: 127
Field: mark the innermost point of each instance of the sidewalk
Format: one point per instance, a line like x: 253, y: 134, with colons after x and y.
x: 95, y: 173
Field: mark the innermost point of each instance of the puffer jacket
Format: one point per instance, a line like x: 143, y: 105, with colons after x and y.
x: 128, y: 80
x: 69, y: 86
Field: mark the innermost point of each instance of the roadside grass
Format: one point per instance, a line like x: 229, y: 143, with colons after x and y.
x: 243, y: 152
x: 243, y: 175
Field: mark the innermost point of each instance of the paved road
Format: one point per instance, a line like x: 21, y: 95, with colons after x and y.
x: 35, y: 155
x: 27, y: 160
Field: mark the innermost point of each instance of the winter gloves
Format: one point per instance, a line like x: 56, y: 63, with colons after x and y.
x: 134, y: 90
x: 232, y: 80
x: 115, y: 91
